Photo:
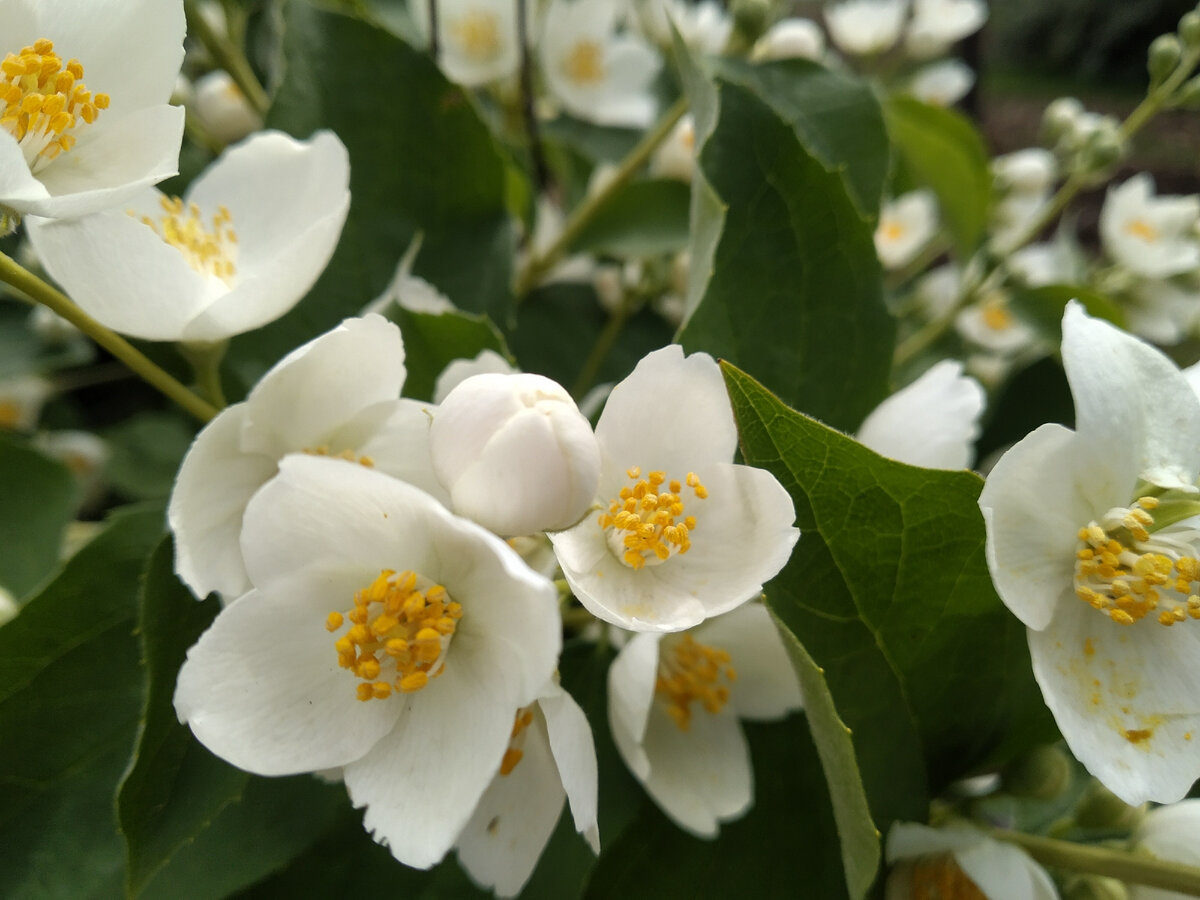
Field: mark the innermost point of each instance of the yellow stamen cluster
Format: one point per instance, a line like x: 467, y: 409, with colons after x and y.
x: 208, y: 251
x: 348, y: 455
x: 477, y: 34
x: 891, y: 230
x: 514, y: 754
x: 42, y: 100
x: 690, y: 672
x: 585, y: 63
x: 941, y: 878
x: 649, y: 520
x: 1118, y: 574
x: 1140, y: 228
x: 394, y: 625
x: 10, y: 414
x: 996, y: 315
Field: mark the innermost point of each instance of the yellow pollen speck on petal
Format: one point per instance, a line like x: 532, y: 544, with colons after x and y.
x: 477, y: 35
x: 693, y: 673
x: 43, y: 102
x: 514, y: 754
x: 208, y: 249
x: 584, y: 64
x: 1089, y: 649
x: 645, y: 523
x: 398, y: 637
x: 1140, y: 228
x: 1137, y: 735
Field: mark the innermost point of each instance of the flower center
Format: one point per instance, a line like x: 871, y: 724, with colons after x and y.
x: 1140, y: 228
x: 690, y: 672
x: 585, y: 63
x: 940, y: 878
x: 10, y: 414
x: 996, y: 315
x: 398, y: 634
x: 348, y: 455
x: 891, y: 230
x: 42, y: 102
x: 647, y: 526
x: 1127, y: 570
x: 516, y: 741
x: 209, y: 252
x: 477, y: 35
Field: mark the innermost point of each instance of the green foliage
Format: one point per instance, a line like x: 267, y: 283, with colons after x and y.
x: 433, y: 341
x: 37, y: 500
x: 147, y: 449
x: 70, y: 690
x: 940, y: 149
x: 888, y: 590
x: 644, y: 218
x: 792, y: 291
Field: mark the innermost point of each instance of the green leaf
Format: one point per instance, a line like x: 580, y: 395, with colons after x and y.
x: 889, y: 592
x: 70, y: 691
x: 835, y: 116
x: 146, y: 452
x: 792, y: 289
x: 1043, y: 307
x: 942, y: 150
x: 856, y: 831
x: 785, y: 846
x: 22, y: 352
x: 644, y: 218
x: 38, y: 497
x: 180, y: 808
x: 433, y: 341
x: 421, y: 160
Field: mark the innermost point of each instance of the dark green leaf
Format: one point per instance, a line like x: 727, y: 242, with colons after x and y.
x: 792, y: 290
x: 1043, y: 307
x: 421, y: 160
x: 432, y: 341
x: 38, y: 497
x: 889, y: 592
x: 180, y: 808
x: 146, y: 451
x: 644, y: 218
x: 941, y: 149
x: 70, y: 691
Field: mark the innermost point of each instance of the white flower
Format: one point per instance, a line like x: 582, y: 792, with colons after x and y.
x: 1090, y: 543
x: 943, y: 83
x: 461, y: 369
x: 1162, y: 311
x: 667, y: 487
x: 477, y: 39
x: 1168, y: 833
x: 104, y: 75
x: 1150, y: 236
x: 238, y: 251
x: 550, y: 756
x: 991, y: 324
x: 674, y: 702
x: 1052, y: 262
x: 223, y: 109
x: 21, y: 401
x: 866, y: 27
x: 595, y: 73
x: 906, y: 225
x: 676, y: 156
x: 962, y: 861
x: 793, y: 38
x: 937, y: 291
x: 1029, y: 171
x: 337, y: 395
x: 515, y: 453
x: 704, y: 26
x: 932, y: 422
x: 384, y: 637
x: 936, y: 24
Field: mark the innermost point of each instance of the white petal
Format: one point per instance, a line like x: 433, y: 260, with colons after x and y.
x: 702, y: 776
x: 262, y: 689
x: 575, y: 757
x: 1168, y: 833
x: 1004, y: 872
x: 398, y: 442
x: 1124, y: 698
x: 18, y: 188
x: 316, y: 388
x: 910, y: 840
x: 933, y: 422
x: 215, y: 482
x: 501, y: 844
x: 766, y: 687
x: 631, y: 679
x: 670, y: 413
x: 461, y: 369
x: 1038, y: 496
x: 1125, y: 388
x: 421, y: 783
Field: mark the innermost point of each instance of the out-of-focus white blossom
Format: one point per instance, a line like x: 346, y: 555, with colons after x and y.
x: 906, y: 225
x: 1149, y: 235
x: 959, y: 861
x: 21, y: 401
x: 676, y: 156
x: 866, y: 27
x: 794, y: 38
x: 223, y: 109
x: 477, y: 39
x: 936, y: 24
x: 943, y: 83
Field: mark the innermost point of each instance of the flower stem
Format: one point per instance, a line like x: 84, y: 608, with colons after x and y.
x: 539, y: 265
x: 601, y: 348
x: 1127, y: 867
x: 205, y: 360
x: 229, y: 57
x: 37, y: 290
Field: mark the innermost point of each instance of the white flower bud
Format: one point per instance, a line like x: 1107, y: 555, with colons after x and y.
x: 515, y: 453
x: 8, y: 605
x: 223, y: 109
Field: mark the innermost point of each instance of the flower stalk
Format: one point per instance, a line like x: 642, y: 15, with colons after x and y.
x: 230, y: 58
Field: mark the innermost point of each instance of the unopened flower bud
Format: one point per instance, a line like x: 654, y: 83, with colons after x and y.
x: 1164, y: 55
x: 8, y: 606
x: 1060, y: 117
x: 1041, y: 775
x: 1104, y: 148
x: 1101, y: 808
x: 1189, y: 28
x: 515, y: 453
x: 1094, y: 887
x: 223, y: 109
x: 1188, y: 96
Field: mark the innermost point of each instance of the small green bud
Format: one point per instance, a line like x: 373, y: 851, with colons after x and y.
x: 1165, y: 53
x: 1101, y: 808
x: 1094, y: 887
x: 1042, y: 774
x: 1058, y: 121
x: 1189, y: 28
x: 1103, y: 149
x: 1188, y: 96
x: 750, y: 18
